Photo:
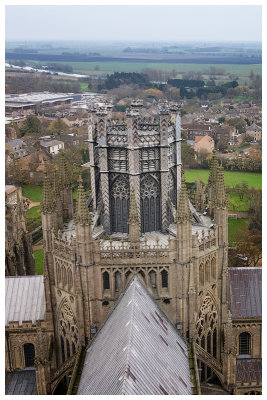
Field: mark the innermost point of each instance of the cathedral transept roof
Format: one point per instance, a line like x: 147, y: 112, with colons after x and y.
x: 137, y: 351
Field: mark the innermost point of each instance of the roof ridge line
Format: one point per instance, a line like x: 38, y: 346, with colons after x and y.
x: 130, y: 336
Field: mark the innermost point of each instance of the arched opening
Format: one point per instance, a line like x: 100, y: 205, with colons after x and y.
x: 201, y: 274
x: 128, y: 277
x: 119, y: 202
x: 164, y: 278
x: 244, y: 343
x: 150, y: 204
x: 106, y: 284
x: 117, y: 281
x: 68, y: 348
x: 29, y: 354
x: 62, y: 349
x: 69, y: 276
x: 142, y: 274
x: 153, y: 279
x: 64, y: 277
x: 207, y: 272
x: 213, y: 268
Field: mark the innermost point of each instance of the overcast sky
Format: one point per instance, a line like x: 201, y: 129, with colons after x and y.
x: 148, y: 23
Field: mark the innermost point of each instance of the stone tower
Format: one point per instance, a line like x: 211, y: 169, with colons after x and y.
x: 142, y: 222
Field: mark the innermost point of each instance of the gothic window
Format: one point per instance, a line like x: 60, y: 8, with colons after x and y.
x: 213, y: 268
x: 164, y: 278
x: 117, y: 281
x: 119, y: 206
x: 201, y: 274
x: 207, y: 327
x: 64, y: 277
x: 106, y: 284
x: 68, y: 348
x: 58, y: 271
x: 67, y: 330
x: 73, y: 348
x: 150, y: 204
x: 29, y: 354
x: 142, y: 275
x: 152, y: 277
x: 62, y: 349
x: 207, y: 272
x: 69, y: 276
x: 244, y: 343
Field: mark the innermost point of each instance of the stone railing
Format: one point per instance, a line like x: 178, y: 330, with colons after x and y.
x: 119, y: 251
x: 206, y: 242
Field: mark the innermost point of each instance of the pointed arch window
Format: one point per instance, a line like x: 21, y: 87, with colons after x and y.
x: 207, y: 272
x: 164, y: 278
x: 106, y: 284
x: 244, y: 343
x: 117, y: 281
x: 152, y: 277
x: 62, y: 349
x: 29, y: 354
x: 213, y: 268
x: 201, y: 275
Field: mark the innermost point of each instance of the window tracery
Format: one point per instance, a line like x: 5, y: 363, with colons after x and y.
x: 150, y: 204
x: 207, y: 326
x: 68, y: 332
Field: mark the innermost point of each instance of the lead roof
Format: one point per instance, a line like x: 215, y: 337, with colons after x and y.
x: 137, y: 351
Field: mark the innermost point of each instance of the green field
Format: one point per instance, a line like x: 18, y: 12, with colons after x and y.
x: 235, y: 203
x: 34, y: 193
x: 236, y: 228
x: 231, y: 178
x: 39, y: 261
x: 137, y: 66
x: 84, y: 86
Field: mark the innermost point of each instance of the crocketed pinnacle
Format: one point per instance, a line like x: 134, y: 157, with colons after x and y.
x: 55, y: 179
x: 48, y: 203
x: 82, y: 216
x: 64, y: 178
x: 133, y: 213
x: 213, y: 169
x: 220, y: 196
x: 183, y: 211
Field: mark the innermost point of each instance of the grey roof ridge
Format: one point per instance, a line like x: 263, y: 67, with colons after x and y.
x: 130, y: 334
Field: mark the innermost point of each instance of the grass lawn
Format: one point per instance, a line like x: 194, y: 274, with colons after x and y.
x: 33, y: 218
x: 231, y: 178
x: 39, y: 261
x: 236, y: 228
x: 235, y: 203
x: 34, y: 193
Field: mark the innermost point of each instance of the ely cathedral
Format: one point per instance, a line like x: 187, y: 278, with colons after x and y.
x: 139, y: 260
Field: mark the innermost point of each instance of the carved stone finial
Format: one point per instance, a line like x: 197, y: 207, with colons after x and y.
x: 48, y: 203
x: 183, y: 211
x: 82, y: 216
x: 220, y: 195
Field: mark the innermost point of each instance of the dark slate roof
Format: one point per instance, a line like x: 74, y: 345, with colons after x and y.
x: 137, y: 351
x: 248, y: 370
x: 21, y: 382
x: 245, y: 292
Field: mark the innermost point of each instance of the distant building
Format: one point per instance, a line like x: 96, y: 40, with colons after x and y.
x: 192, y: 130
x: 52, y: 146
x: 10, y: 194
x: 203, y: 143
x: 255, y: 132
